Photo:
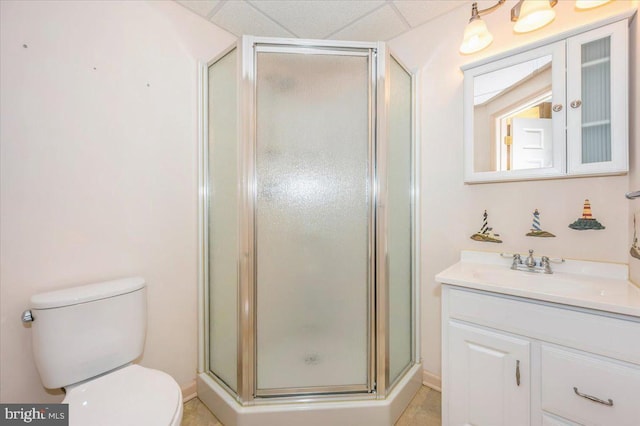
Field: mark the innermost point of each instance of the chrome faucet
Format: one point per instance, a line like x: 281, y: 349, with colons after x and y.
x: 530, y: 262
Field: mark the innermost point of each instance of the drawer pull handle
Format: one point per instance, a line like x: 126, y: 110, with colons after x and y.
x: 518, y: 372
x: 593, y: 398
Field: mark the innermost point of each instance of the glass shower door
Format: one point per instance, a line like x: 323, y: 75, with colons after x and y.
x: 222, y: 220
x: 313, y: 221
x: 399, y: 226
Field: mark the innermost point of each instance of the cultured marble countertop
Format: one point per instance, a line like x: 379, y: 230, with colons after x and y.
x: 592, y: 285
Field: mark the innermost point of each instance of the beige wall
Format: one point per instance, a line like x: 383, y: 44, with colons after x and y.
x: 99, y: 167
x: 452, y: 211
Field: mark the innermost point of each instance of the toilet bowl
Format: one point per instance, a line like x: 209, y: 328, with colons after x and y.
x: 132, y: 395
x: 85, y: 340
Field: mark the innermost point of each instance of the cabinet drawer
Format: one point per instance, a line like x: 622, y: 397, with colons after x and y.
x: 550, y: 420
x: 611, y: 337
x: 564, y: 370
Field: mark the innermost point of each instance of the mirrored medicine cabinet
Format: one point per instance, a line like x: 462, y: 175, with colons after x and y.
x: 555, y: 109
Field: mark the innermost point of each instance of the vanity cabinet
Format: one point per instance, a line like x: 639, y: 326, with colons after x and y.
x: 558, y: 108
x: 516, y: 361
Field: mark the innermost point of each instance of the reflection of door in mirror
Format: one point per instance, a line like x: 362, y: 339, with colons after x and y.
x: 520, y: 91
x: 530, y: 149
x: 525, y: 139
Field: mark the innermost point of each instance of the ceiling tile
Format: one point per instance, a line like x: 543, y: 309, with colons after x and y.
x: 240, y: 18
x: 383, y: 24
x: 418, y: 12
x: 201, y: 7
x: 315, y: 18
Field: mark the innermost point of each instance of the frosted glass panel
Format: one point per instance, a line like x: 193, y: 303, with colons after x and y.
x: 223, y: 220
x: 399, y: 226
x: 596, y: 101
x: 312, y: 212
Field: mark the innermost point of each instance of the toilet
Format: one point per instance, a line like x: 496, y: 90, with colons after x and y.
x: 85, y: 340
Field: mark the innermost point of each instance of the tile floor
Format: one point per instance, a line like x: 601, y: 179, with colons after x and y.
x: 424, y: 410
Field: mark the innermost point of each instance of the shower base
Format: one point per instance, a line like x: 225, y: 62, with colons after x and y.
x: 352, y: 412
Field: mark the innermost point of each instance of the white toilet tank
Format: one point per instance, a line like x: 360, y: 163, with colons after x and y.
x: 81, y: 332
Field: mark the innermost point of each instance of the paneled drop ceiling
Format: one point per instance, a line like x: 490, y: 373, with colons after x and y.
x: 360, y: 20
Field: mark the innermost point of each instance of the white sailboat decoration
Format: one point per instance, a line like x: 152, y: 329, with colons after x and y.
x: 536, y: 231
x: 486, y: 233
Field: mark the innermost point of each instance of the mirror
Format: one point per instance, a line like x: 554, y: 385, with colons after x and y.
x: 551, y: 109
x: 512, y: 131
x: 512, y: 117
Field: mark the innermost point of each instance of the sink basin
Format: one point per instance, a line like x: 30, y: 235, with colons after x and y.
x: 551, y: 283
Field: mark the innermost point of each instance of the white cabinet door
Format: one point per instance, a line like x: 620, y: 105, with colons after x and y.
x: 597, y: 100
x: 489, y: 377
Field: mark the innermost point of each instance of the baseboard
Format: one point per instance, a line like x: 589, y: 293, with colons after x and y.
x: 189, y: 391
x: 431, y: 380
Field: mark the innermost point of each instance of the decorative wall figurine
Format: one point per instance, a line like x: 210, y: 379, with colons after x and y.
x: 536, y: 231
x: 587, y: 221
x: 635, y: 250
x: 486, y: 233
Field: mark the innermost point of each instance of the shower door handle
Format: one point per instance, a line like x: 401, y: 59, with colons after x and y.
x: 518, y: 372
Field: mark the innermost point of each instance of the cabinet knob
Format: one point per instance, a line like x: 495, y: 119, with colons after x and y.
x: 557, y: 108
x: 576, y: 103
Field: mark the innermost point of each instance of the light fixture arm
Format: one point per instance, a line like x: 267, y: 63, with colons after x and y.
x: 515, y: 10
x: 476, y: 13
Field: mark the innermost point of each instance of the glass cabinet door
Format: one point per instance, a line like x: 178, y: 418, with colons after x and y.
x: 597, y: 86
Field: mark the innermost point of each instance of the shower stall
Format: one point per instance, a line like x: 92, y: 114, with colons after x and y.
x: 308, y: 232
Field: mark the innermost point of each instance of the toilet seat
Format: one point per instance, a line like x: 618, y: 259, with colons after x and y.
x: 132, y: 395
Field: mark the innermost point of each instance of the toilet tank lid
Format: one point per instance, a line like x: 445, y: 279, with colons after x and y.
x: 86, y: 293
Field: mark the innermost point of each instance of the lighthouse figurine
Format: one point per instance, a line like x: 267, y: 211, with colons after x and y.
x: 587, y: 221
x: 635, y: 250
x: 486, y: 233
x: 536, y: 231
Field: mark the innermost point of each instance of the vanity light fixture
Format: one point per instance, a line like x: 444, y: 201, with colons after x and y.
x: 528, y: 15
x: 476, y: 34
x: 589, y: 4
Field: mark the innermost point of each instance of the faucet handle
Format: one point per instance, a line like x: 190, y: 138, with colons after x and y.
x: 544, y: 263
x: 516, y: 261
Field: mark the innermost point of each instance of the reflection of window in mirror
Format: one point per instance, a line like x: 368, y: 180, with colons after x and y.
x: 512, y: 117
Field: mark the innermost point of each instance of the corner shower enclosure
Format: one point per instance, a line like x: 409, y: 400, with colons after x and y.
x: 308, y: 234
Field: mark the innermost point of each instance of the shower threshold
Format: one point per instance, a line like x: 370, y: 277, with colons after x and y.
x: 352, y: 412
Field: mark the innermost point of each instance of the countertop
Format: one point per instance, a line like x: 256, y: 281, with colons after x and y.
x: 591, y: 285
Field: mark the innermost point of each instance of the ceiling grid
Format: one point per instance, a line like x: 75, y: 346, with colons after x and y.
x: 366, y: 20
